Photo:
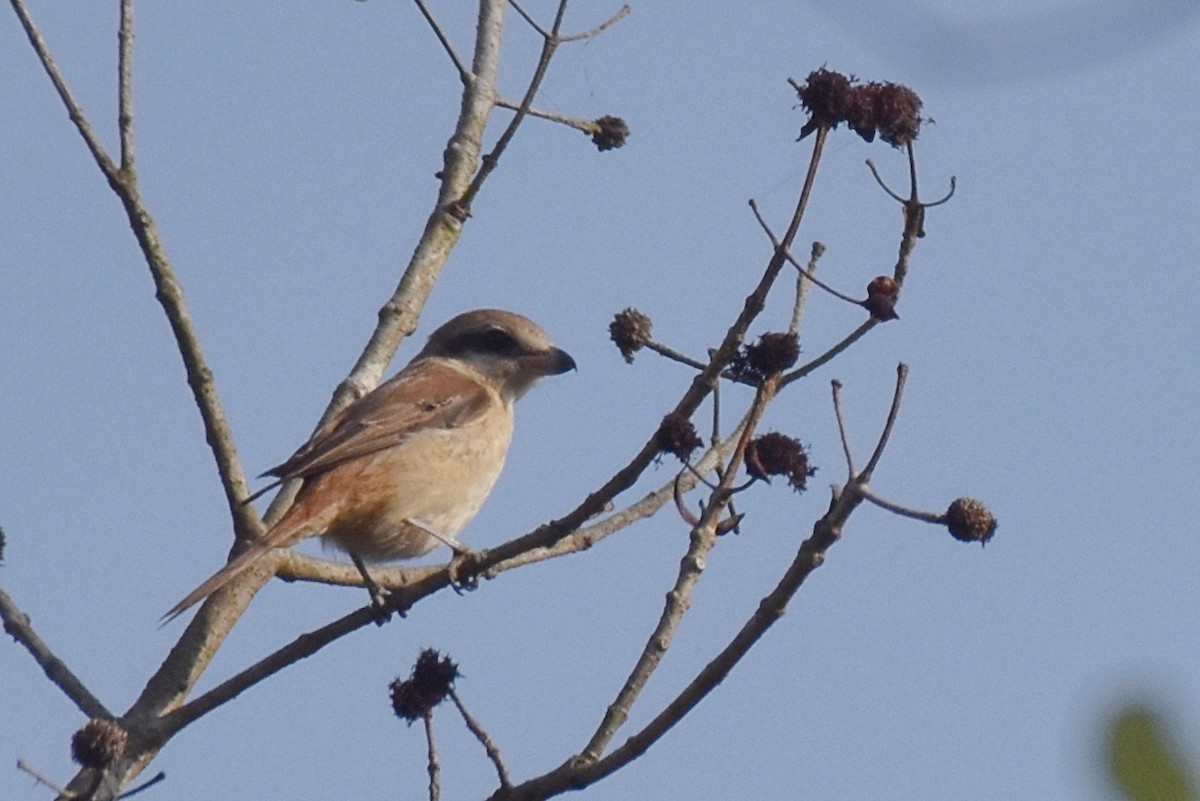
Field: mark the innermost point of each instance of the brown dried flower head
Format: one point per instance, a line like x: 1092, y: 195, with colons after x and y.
x: 890, y: 110
x: 99, y: 743
x: 773, y: 353
x: 826, y: 96
x: 860, y: 111
x: 431, y: 681
x: 630, y: 330
x: 970, y: 521
x: 611, y: 133
x: 776, y: 454
x: 897, y: 114
x: 676, y: 435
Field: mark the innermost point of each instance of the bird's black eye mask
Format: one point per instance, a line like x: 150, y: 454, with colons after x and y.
x: 495, y: 341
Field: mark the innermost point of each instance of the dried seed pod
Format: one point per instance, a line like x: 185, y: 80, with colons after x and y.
x: 970, y: 521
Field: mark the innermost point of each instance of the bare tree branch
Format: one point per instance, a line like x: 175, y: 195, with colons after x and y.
x: 463, y: 73
x: 484, y: 738
x: 125, y: 125
x: 18, y: 626
x: 897, y: 396
x: 74, y: 110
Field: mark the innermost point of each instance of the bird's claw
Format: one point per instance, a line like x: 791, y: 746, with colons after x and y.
x: 464, y: 570
x: 379, y: 604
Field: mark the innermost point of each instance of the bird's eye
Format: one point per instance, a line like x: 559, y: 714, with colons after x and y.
x: 494, y: 340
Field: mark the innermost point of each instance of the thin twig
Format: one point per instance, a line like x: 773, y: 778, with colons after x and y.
x: 435, y: 764
x: 485, y: 740
x: 810, y: 178
x: 533, y: 23
x: 169, y: 292
x: 125, y: 125
x: 883, y: 185
x: 74, y: 110
x: 897, y: 396
x: 674, y: 355
x: 913, y: 195
x: 578, y: 123
x: 545, y: 538
x: 679, y: 597
x: 806, y: 273
x: 38, y: 777
x: 946, y: 197
x: 18, y: 626
x: 303, y: 646
x: 603, y: 26
x: 586, y: 537
x: 579, y: 772
x: 828, y: 355
x: 770, y: 609
x: 904, y: 511
x: 843, y: 432
x: 463, y: 73
x: 491, y: 159
x: 787, y: 255
x: 804, y: 288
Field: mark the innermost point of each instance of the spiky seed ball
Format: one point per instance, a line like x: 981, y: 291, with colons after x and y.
x: 773, y: 353
x: 826, y: 96
x: 99, y: 743
x: 611, y: 133
x: 897, y: 114
x: 776, y: 454
x: 630, y: 331
x: 970, y: 521
x: 676, y: 435
x: 860, y: 110
x: 431, y: 681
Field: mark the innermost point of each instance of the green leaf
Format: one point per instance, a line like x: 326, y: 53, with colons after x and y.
x: 1142, y: 760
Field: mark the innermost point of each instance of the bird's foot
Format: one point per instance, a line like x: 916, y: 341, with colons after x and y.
x: 379, y: 595
x: 464, y: 569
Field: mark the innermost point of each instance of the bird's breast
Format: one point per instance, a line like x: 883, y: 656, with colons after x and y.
x: 434, y: 481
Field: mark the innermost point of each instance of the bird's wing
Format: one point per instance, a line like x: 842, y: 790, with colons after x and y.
x: 429, y: 394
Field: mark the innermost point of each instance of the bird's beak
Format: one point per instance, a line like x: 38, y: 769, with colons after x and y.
x: 546, y: 362
x: 554, y: 362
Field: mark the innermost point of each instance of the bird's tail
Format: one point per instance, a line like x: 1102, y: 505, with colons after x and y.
x: 217, y: 580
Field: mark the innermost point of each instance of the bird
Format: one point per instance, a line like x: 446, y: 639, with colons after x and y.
x: 404, y: 468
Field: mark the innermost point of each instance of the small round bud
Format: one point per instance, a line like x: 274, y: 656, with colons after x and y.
x: 99, y: 743
x: 970, y: 521
x: 430, y: 683
x: 776, y: 454
x: 676, y: 435
x: 611, y: 133
x: 881, y: 298
x: 882, y: 285
x: 630, y: 331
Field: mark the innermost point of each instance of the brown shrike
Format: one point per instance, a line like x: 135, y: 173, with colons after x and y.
x: 404, y: 468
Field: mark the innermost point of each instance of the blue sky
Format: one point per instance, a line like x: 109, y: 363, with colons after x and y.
x: 288, y: 156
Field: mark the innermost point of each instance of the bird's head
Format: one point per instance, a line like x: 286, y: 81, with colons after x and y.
x: 508, y: 350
